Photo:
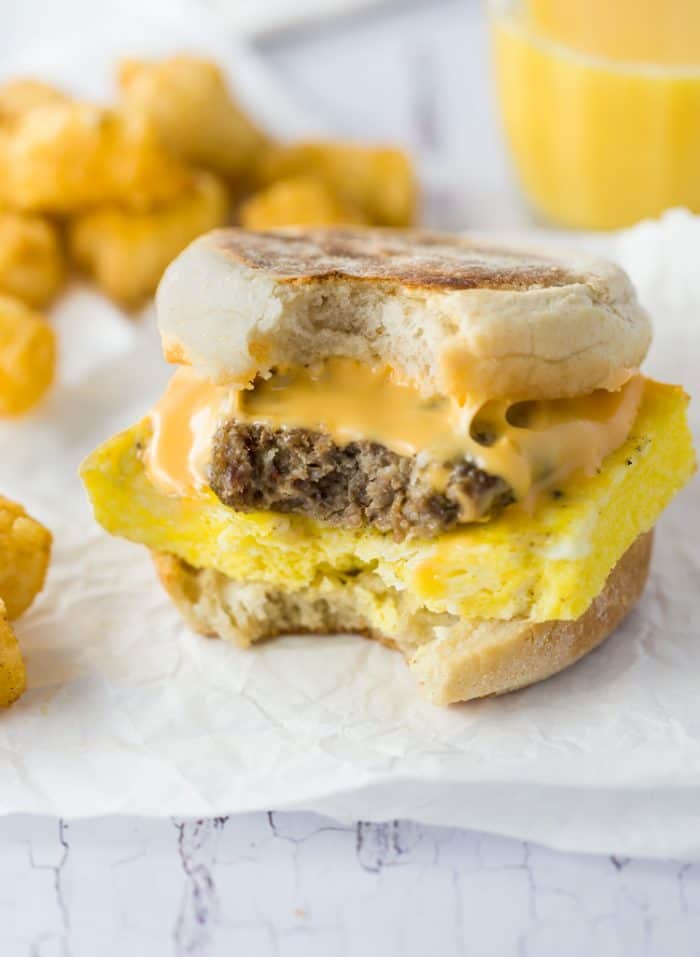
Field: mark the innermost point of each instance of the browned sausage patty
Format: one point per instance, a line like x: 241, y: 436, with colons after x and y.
x: 256, y: 468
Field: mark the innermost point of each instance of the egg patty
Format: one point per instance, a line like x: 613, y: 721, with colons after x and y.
x: 543, y: 565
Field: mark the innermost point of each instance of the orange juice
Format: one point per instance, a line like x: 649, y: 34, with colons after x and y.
x: 601, y: 105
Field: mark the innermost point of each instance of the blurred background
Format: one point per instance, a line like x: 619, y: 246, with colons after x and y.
x: 410, y: 73
x: 128, y: 130
x: 417, y: 74
x: 581, y: 113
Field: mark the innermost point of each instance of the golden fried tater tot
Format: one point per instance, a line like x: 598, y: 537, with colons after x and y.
x: 25, y: 548
x: 126, y: 253
x: 27, y: 356
x: 13, y: 680
x: 299, y: 201
x: 379, y: 181
x: 66, y: 157
x: 18, y: 97
x: 189, y: 104
x: 32, y: 266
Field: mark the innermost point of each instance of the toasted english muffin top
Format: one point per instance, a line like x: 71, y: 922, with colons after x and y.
x: 455, y: 315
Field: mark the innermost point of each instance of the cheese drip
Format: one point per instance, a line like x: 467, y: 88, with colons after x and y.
x: 532, y: 445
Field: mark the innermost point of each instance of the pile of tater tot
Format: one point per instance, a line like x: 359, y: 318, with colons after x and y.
x: 115, y: 193
x: 25, y: 546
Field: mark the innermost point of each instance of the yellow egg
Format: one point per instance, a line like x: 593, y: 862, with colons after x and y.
x: 548, y: 564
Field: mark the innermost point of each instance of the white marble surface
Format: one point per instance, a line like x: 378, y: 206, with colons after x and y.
x: 283, y: 885
x: 268, y: 885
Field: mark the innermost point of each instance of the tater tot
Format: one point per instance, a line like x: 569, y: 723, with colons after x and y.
x: 300, y: 201
x: 27, y: 356
x: 191, y: 107
x: 65, y: 157
x: 13, y: 680
x: 379, y: 181
x: 32, y: 266
x: 18, y: 97
x: 25, y: 548
x: 126, y: 253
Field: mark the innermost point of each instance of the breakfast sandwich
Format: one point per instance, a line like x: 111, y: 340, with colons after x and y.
x: 429, y: 440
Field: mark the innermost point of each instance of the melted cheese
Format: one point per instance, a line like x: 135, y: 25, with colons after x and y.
x: 183, y: 422
x: 532, y: 445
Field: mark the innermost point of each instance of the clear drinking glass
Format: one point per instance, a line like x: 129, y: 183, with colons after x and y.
x: 601, y: 105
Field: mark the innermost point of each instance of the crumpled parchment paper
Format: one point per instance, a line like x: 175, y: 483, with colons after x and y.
x: 129, y: 712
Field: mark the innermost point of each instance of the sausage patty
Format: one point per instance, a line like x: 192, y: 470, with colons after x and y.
x: 255, y: 467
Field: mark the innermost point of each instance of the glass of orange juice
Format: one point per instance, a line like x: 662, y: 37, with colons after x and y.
x: 601, y: 105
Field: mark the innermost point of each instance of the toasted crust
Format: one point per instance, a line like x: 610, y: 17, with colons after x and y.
x: 453, y: 660
x: 412, y: 258
x: 453, y: 315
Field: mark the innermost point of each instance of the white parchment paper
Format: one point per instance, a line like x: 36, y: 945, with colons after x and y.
x: 129, y: 712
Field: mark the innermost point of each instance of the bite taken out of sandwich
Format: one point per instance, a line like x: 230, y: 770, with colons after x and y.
x: 432, y: 441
